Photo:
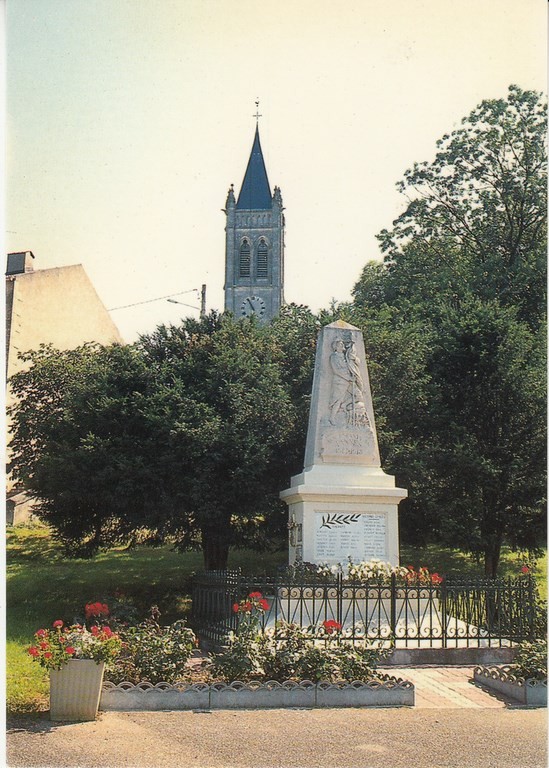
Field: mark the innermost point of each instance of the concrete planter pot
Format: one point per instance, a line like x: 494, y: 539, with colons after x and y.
x: 75, y: 690
x: 532, y: 693
x: 126, y: 697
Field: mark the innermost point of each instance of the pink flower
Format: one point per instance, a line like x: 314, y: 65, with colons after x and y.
x: 58, y: 623
x: 41, y: 633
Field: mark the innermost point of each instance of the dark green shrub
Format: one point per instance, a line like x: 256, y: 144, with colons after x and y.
x: 292, y: 652
x: 531, y: 661
x: 153, y: 653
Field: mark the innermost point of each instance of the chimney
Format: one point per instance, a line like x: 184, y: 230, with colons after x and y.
x: 19, y: 263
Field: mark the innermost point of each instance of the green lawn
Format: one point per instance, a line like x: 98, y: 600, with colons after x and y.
x: 43, y: 586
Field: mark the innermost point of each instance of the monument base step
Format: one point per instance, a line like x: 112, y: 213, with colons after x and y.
x: 441, y: 657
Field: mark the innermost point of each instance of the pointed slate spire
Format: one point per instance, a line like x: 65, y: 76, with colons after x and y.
x: 255, y: 193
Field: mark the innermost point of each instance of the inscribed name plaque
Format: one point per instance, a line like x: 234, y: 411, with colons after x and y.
x: 340, y: 536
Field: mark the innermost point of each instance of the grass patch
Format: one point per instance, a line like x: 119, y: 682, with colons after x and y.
x: 453, y: 561
x: 43, y: 586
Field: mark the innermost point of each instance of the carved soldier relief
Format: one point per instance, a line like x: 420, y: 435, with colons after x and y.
x: 347, y: 395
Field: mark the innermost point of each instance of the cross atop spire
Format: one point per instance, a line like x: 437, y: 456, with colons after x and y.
x: 257, y: 115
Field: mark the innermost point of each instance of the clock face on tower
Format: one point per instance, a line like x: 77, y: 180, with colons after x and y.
x: 253, y: 305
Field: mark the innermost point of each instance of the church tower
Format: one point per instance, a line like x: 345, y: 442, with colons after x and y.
x: 254, y: 246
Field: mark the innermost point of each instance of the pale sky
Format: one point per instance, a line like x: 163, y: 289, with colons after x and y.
x: 127, y: 120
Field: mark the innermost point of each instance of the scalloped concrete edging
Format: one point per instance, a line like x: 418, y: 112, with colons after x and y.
x: 532, y: 693
x: 126, y: 697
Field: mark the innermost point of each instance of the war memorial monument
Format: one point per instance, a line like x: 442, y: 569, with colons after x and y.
x: 343, y: 505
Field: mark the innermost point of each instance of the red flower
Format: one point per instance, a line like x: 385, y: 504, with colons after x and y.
x: 331, y: 626
x: 95, y: 631
x: 525, y: 569
x: 247, y: 607
x: 34, y: 651
x: 263, y: 604
x: 41, y: 633
x: 57, y: 623
x: 47, y: 655
x: 43, y: 646
x: 107, y: 631
x: 436, y: 579
x: 255, y: 595
x: 236, y: 607
x: 69, y: 649
x: 96, y: 609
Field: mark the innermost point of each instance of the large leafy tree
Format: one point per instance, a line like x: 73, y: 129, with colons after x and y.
x: 235, y: 370
x: 455, y: 315
x: 99, y: 439
x: 476, y: 217
x: 187, y: 436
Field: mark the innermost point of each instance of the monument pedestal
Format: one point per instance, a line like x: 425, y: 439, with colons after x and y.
x: 342, y: 505
x: 337, y: 515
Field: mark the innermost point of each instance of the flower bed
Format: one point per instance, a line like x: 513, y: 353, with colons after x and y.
x: 375, y: 571
x: 286, y: 666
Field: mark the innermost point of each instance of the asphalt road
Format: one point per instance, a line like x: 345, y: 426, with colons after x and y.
x: 334, y: 738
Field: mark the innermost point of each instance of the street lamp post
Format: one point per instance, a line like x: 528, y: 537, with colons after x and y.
x: 202, y: 302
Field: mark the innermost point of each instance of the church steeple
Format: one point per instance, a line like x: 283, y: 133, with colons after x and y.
x: 255, y: 193
x: 254, y: 248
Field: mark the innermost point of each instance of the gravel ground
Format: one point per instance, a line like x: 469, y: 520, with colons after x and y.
x: 335, y: 738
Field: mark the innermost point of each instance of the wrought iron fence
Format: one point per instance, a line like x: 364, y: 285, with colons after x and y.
x: 457, y: 613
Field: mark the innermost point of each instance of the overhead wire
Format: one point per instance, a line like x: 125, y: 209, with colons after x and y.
x: 159, y: 298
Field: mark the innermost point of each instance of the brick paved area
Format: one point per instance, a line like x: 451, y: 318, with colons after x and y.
x: 448, y: 688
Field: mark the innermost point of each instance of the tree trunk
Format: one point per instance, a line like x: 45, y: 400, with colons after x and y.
x: 215, y: 548
x: 492, y: 554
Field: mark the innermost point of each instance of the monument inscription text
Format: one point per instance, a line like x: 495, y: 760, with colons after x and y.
x: 339, y: 536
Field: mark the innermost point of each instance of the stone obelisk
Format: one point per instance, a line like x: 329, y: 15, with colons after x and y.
x: 342, y: 505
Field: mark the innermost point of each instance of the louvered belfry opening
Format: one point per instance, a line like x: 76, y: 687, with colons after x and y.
x: 262, y: 260
x: 244, y: 262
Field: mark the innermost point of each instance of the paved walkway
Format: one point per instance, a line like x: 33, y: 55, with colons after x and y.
x: 449, y: 688
x: 454, y: 724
